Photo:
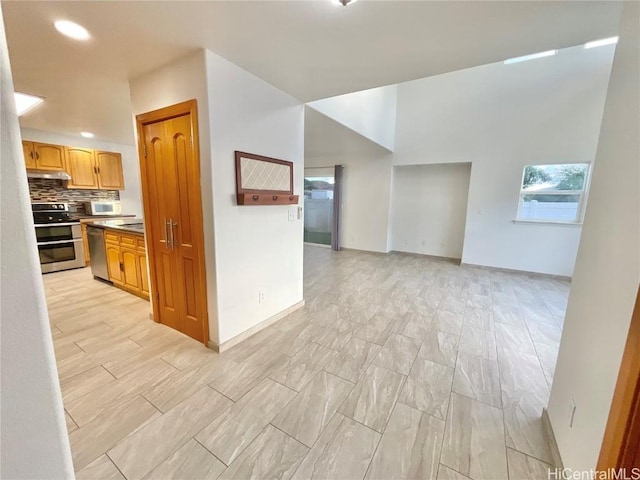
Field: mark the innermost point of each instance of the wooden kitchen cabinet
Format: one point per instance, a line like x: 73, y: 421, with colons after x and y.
x: 109, y: 166
x: 43, y: 156
x: 85, y: 243
x: 127, y: 262
x: 81, y: 164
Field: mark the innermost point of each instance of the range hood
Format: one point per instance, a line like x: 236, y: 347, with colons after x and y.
x: 48, y: 174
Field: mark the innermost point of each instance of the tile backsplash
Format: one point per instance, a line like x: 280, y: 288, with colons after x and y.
x: 47, y: 190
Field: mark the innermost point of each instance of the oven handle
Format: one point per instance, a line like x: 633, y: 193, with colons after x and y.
x: 58, y: 242
x: 56, y: 224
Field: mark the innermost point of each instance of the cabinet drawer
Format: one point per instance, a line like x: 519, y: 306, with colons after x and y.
x: 111, y: 237
x: 140, y: 242
x: 127, y: 240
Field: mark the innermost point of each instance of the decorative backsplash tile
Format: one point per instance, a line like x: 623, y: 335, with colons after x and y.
x: 47, y: 190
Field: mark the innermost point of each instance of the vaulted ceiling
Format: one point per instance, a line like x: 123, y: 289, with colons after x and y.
x: 310, y: 49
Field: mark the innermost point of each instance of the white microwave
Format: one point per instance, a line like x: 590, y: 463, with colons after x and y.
x: 102, y: 207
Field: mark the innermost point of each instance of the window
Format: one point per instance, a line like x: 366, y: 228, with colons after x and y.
x: 553, y: 193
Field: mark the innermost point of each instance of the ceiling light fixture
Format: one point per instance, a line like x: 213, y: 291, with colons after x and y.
x: 601, y: 43
x: 344, y: 3
x: 72, y: 30
x: 533, y: 56
x: 86, y: 134
x: 25, y: 102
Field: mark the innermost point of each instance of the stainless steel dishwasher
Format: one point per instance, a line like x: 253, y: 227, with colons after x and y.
x: 97, y: 252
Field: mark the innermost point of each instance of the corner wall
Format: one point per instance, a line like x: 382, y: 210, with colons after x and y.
x: 607, y: 272
x: 34, y: 437
x: 257, y: 248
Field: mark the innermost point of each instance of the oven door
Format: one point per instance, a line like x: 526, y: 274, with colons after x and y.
x: 61, y: 255
x: 55, y: 232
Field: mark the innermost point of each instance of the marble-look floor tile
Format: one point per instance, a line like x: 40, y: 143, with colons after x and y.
x: 229, y: 434
x: 478, y: 342
x: 523, y: 467
x: 453, y: 303
x: 479, y: 318
x: 191, y: 461
x: 96, y: 437
x: 353, y: 360
x: 174, y: 428
x: 343, y: 451
x: 524, y: 426
x: 418, y: 326
x: 440, y: 347
x: 71, y: 425
x: 508, y: 314
x: 292, y: 341
x: 480, y: 301
x: 548, y: 355
x: 372, y: 399
x: 378, y: 330
x: 303, y: 366
x: 398, y: 353
x: 85, y: 382
x: 547, y: 333
x: 478, y: 378
x: 237, y: 381
x: 521, y: 372
x: 474, y: 442
x: 336, y: 336
x: 409, y: 448
x: 312, y: 409
x: 100, y: 469
x: 445, y: 473
x: 448, y: 322
x: 428, y: 388
x: 512, y: 338
x: 272, y: 455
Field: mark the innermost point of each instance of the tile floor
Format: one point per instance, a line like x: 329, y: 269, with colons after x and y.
x: 398, y: 366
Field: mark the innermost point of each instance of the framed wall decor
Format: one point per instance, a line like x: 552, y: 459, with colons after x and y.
x: 263, y: 180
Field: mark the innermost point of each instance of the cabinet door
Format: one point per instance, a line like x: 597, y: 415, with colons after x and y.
x: 110, y: 175
x: 49, y: 157
x: 113, y: 263
x: 29, y: 154
x: 143, y: 274
x: 130, y: 269
x: 82, y: 168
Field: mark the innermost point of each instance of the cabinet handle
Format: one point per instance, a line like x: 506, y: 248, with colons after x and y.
x: 121, y: 267
x: 37, y: 156
x: 31, y: 155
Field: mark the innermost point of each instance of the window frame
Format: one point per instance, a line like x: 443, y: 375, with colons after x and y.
x: 581, y: 193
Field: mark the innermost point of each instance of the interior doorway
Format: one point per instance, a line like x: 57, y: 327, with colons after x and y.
x: 170, y: 177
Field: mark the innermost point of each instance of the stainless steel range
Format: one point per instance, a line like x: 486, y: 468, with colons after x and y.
x: 59, y: 237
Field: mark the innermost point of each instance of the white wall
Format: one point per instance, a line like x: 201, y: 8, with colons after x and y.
x: 501, y: 118
x: 428, y: 209
x: 607, y: 272
x: 257, y: 248
x: 371, y: 113
x: 131, y: 196
x: 33, y: 434
x: 182, y: 80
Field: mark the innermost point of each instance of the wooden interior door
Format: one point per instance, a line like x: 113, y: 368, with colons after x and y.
x: 82, y: 167
x: 110, y: 175
x: 170, y: 172
x: 49, y: 157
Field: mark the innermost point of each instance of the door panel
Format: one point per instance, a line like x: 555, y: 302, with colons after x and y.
x: 110, y: 176
x: 144, y: 278
x: 130, y: 269
x: 113, y: 264
x: 172, y: 200
x: 29, y: 155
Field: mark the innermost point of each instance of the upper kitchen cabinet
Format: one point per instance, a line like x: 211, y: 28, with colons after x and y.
x: 109, y: 170
x: 81, y: 165
x: 43, y: 156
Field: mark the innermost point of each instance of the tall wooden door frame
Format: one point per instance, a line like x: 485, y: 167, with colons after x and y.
x: 621, y: 443
x: 190, y: 107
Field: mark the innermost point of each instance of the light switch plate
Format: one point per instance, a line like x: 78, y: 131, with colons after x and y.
x: 292, y: 214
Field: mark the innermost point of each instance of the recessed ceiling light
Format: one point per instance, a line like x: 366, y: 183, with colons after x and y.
x: 86, y: 134
x: 601, y: 43
x: 344, y: 3
x: 72, y: 30
x: 533, y: 56
x: 25, y: 102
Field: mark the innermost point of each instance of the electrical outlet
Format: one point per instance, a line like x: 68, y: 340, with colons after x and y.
x: 260, y: 297
x: 572, y: 412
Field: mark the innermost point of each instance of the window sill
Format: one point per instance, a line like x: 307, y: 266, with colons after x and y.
x: 549, y: 222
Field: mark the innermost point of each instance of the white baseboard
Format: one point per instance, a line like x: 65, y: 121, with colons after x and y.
x: 551, y: 438
x: 255, y: 329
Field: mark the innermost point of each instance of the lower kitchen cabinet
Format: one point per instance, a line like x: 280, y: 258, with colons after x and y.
x: 127, y: 262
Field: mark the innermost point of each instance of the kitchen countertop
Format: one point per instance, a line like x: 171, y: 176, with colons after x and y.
x: 84, y: 218
x: 133, y: 225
